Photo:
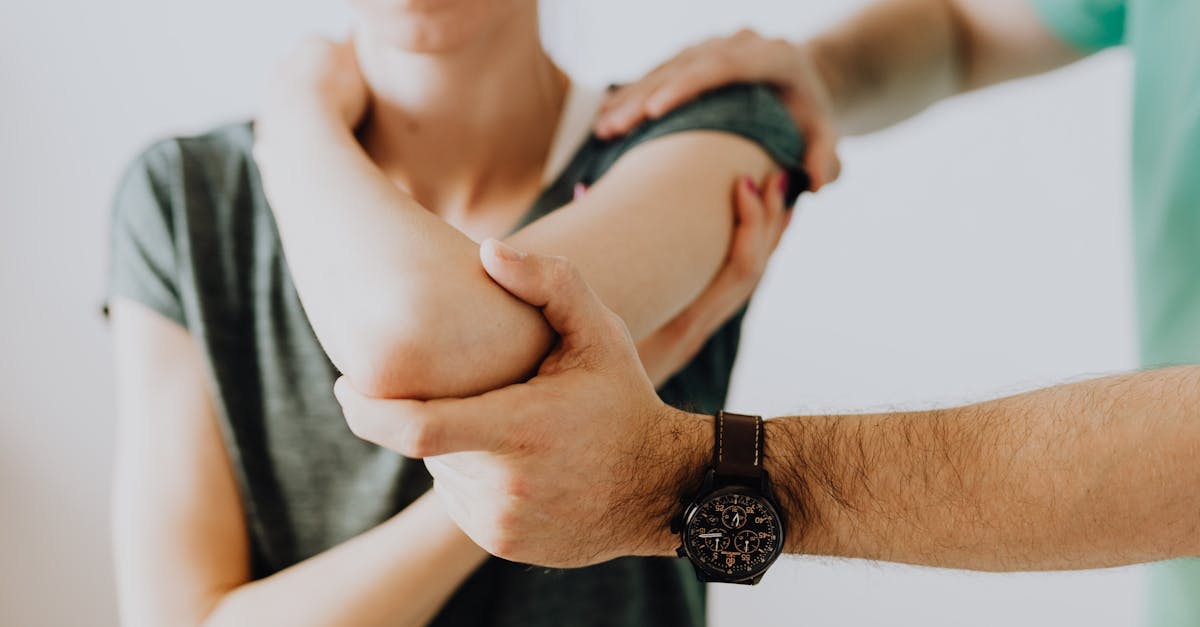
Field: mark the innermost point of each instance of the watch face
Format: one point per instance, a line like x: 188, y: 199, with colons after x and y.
x: 733, y: 534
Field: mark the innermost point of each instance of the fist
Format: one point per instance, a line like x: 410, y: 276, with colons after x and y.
x: 319, y: 76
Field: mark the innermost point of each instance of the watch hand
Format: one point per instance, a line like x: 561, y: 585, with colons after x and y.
x: 711, y: 535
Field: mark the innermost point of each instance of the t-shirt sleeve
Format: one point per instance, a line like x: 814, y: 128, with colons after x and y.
x: 748, y: 110
x: 142, y: 256
x: 1089, y: 25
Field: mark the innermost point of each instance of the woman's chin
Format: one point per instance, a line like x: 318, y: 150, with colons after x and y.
x: 421, y: 38
x: 432, y: 27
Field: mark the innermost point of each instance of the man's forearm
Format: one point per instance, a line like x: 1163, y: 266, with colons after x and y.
x: 1085, y: 475
x: 1092, y: 474
x: 897, y: 57
x: 888, y: 62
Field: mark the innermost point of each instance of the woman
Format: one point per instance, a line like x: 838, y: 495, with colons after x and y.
x: 241, y: 497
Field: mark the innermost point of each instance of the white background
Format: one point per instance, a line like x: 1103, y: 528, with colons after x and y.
x: 978, y: 249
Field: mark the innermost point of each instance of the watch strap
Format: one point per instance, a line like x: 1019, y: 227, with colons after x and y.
x: 737, y: 451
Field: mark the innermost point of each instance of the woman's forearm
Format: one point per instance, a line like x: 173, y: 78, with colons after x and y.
x: 399, y: 573
x: 381, y: 277
x: 400, y: 301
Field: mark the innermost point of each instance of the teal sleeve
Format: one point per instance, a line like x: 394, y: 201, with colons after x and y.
x: 1089, y: 25
x: 142, y: 257
x: 750, y: 111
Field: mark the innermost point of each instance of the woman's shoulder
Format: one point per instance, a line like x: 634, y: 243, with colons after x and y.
x: 184, y: 203
x: 206, y: 176
x: 214, y: 152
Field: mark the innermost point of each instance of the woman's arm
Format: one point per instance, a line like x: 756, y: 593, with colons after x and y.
x: 762, y: 216
x: 397, y: 296
x: 182, y: 553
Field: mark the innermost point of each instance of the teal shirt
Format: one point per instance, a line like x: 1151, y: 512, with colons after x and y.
x: 1165, y: 38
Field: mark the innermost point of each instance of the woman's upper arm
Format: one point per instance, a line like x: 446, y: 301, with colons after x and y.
x: 179, y: 535
x: 648, y: 237
x: 653, y: 231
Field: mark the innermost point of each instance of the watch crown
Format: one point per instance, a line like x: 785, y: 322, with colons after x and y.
x: 680, y: 552
x: 676, y: 523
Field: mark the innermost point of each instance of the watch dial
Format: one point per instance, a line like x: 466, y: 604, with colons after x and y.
x: 733, y: 534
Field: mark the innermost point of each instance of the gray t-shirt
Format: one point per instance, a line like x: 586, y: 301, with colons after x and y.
x: 194, y: 239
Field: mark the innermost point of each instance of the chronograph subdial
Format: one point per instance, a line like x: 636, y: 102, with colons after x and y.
x: 746, y: 541
x: 715, y: 540
x: 733, y: 517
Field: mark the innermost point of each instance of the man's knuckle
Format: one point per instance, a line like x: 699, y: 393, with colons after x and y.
x: 562, y: 273
x: 420, y: 439
x: 721, y: 63
x: 614, y: 326
x: 505, y: 546
x: 517, y: 487
x: 744, y: 35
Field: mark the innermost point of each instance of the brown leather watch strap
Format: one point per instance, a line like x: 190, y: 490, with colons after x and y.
x: 737, y: 452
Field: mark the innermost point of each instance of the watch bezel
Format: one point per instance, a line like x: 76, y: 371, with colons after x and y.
x: 711, y: 574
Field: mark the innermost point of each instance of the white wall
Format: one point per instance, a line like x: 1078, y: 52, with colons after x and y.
x: 979, y: 248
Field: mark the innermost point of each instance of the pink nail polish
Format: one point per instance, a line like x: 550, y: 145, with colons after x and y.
x: 782, y: 183
x: 751, y: 184
x: 580, y: 190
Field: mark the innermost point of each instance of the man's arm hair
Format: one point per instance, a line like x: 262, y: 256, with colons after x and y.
x: 1086, y: 475
x: 897, y: 57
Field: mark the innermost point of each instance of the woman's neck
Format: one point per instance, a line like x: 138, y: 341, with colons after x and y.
x: 467, y: 128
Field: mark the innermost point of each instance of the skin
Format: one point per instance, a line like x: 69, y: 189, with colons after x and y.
x: 882, y: 66
x: 586, y: 465
x: 180, y: 539
x: 381, y: 264
x: 583, y: 463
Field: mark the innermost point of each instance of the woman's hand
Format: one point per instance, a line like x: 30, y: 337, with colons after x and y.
x: 317, y: 82
x: 745, y: 57
x: 761, y: 219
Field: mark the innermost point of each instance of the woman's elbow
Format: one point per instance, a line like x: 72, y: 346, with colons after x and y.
x: 434, y: 347
x: 392, y: 363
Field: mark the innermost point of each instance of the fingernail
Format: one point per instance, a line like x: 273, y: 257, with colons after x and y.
x: 580, y: 190
x: 506, y: 252
x: 749, y: 181
x: 782, y: 183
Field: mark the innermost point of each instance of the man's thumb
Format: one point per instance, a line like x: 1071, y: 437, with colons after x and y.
x: 552, y: 284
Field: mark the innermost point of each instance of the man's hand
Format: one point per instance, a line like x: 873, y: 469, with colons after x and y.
x: 760, y: 220
x: 579, y: 465
x: 743, y: 57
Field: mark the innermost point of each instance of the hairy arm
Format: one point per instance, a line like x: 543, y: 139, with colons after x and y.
x: 1084, y: 475
x: 898, y: 57
x: 397, y: 296
x: 1093, y: 474
x: 181, y: 546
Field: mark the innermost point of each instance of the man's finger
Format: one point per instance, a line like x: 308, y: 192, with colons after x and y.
x: 421, y: 429
x: 687, y: 84
x: 552, y: 284
x: 627, y: 107
x: 820, y: 159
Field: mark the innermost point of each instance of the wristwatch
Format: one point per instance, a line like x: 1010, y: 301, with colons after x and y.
x: 733, y: 529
